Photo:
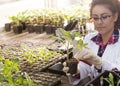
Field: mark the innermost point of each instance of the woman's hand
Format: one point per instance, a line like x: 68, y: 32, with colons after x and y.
x: 87, y: 56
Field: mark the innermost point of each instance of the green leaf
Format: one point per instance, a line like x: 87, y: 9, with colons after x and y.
x: 1, y: 58
x: 15, y: 60
x: 1, y: 77
x: 111, y: 78
x: 118, y: 83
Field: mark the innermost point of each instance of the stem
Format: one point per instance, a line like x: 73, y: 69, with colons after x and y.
x: 67, y: 50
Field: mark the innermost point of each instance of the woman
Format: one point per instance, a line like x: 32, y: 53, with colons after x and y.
x: 104, y: 45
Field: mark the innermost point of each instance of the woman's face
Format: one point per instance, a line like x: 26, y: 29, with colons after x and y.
x: 103, y: 19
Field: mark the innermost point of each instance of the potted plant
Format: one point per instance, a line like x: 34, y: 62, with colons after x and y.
x: 67, y: 37
x: 39, y: 23
x: 17, y: 26
x: 23, y: 18
x: 33, y: 20
x: 30, y: 24
x: 49, y: 17
x: 48, y: 25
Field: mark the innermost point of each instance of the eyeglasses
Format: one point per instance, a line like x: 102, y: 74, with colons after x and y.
x: 102, y: 18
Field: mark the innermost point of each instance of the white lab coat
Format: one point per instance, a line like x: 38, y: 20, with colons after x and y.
x: 110, y: 58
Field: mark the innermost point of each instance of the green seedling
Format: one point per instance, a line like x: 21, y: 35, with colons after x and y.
x: 68, y: 39
x: 111, y: 80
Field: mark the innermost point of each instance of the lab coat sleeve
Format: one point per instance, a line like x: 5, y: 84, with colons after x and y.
x: 106, y: 65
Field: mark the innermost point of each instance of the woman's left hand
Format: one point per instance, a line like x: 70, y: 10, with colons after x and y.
x: 88, y: 56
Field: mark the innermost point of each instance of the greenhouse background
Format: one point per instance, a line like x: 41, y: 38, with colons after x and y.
x: 37, y: 39
x: 12, y: 7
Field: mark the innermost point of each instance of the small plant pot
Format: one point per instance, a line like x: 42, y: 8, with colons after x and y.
x: 68, y: 26
x: 72, y: 64
x: 53, y: 29
x: 24, y: 25
x: 8, y: 27
x: 17, y: 29
x: 30, y: 28
x: 50, y: 29
x: 39, y: 28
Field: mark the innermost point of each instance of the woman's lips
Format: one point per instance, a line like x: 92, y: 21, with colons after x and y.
x: 100, y: 27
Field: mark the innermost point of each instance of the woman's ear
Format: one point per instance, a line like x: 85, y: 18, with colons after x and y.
x: 115, y: 17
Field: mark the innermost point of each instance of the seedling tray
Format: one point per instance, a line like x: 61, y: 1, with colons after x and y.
x: 39, y: 66
x: 45, y: 79
x: 98, y: 81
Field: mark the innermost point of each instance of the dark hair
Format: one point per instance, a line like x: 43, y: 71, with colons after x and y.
x: 113, y: 5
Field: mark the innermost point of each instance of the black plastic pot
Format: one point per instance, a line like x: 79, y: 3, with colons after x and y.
x: 39, y: 28
x: 30, y: 28
x: 71, y: 25
x: 72, y: 64
x: 24, y: 25
x: 50, y: 29
x: 17, y: 29
x: 8, y: 27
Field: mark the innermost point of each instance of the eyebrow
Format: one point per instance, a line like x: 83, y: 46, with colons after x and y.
x: 100, y: 14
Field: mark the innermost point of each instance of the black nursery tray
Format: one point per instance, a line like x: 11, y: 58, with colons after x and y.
x: 98, y: 81
x: 45, y: 79
x: 58, y: 67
